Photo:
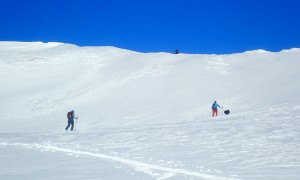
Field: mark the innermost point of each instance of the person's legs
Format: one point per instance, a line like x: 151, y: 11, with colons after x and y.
x: 215, y: 112
x: 72, y: 123
x: 69, y: 123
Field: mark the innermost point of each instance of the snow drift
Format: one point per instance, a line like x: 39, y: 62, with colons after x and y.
x: 153, y: 101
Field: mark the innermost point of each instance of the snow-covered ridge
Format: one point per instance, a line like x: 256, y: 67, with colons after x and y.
x: 147, y: 115
x: 262, y: 51
x: 52, y: 77
x: 35, y: 46
x: 13, y: 45
x: 16, y: 45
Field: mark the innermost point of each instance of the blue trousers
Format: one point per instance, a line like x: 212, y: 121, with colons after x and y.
x: 70, y: 123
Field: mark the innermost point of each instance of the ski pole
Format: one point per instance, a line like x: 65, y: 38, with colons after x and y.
x: 222, y: 111
x: 76, y: 123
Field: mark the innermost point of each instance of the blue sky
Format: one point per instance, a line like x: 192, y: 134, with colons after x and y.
x: 192, y: 26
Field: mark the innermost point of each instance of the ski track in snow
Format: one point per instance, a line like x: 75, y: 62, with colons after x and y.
x: 138, y: 166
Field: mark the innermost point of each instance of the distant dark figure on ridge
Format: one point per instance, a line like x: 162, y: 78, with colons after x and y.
x: 176, y: 51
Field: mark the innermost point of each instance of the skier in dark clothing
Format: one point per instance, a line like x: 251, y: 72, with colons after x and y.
x: 71, y: 116
x: 215, y: 108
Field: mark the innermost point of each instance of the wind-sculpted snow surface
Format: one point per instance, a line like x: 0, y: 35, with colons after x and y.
x: 138, y: 166
x: 147, y: 115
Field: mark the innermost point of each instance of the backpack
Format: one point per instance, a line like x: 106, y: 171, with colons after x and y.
x: 69, y: 115
x: 214, y: 106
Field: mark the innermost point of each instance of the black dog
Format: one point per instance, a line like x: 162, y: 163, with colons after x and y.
x: 227, y: 112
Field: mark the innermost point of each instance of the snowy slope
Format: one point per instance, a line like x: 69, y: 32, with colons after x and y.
x: 147, y: 115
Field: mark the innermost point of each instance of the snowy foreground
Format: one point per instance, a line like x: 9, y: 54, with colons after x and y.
x: 147, y: 115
